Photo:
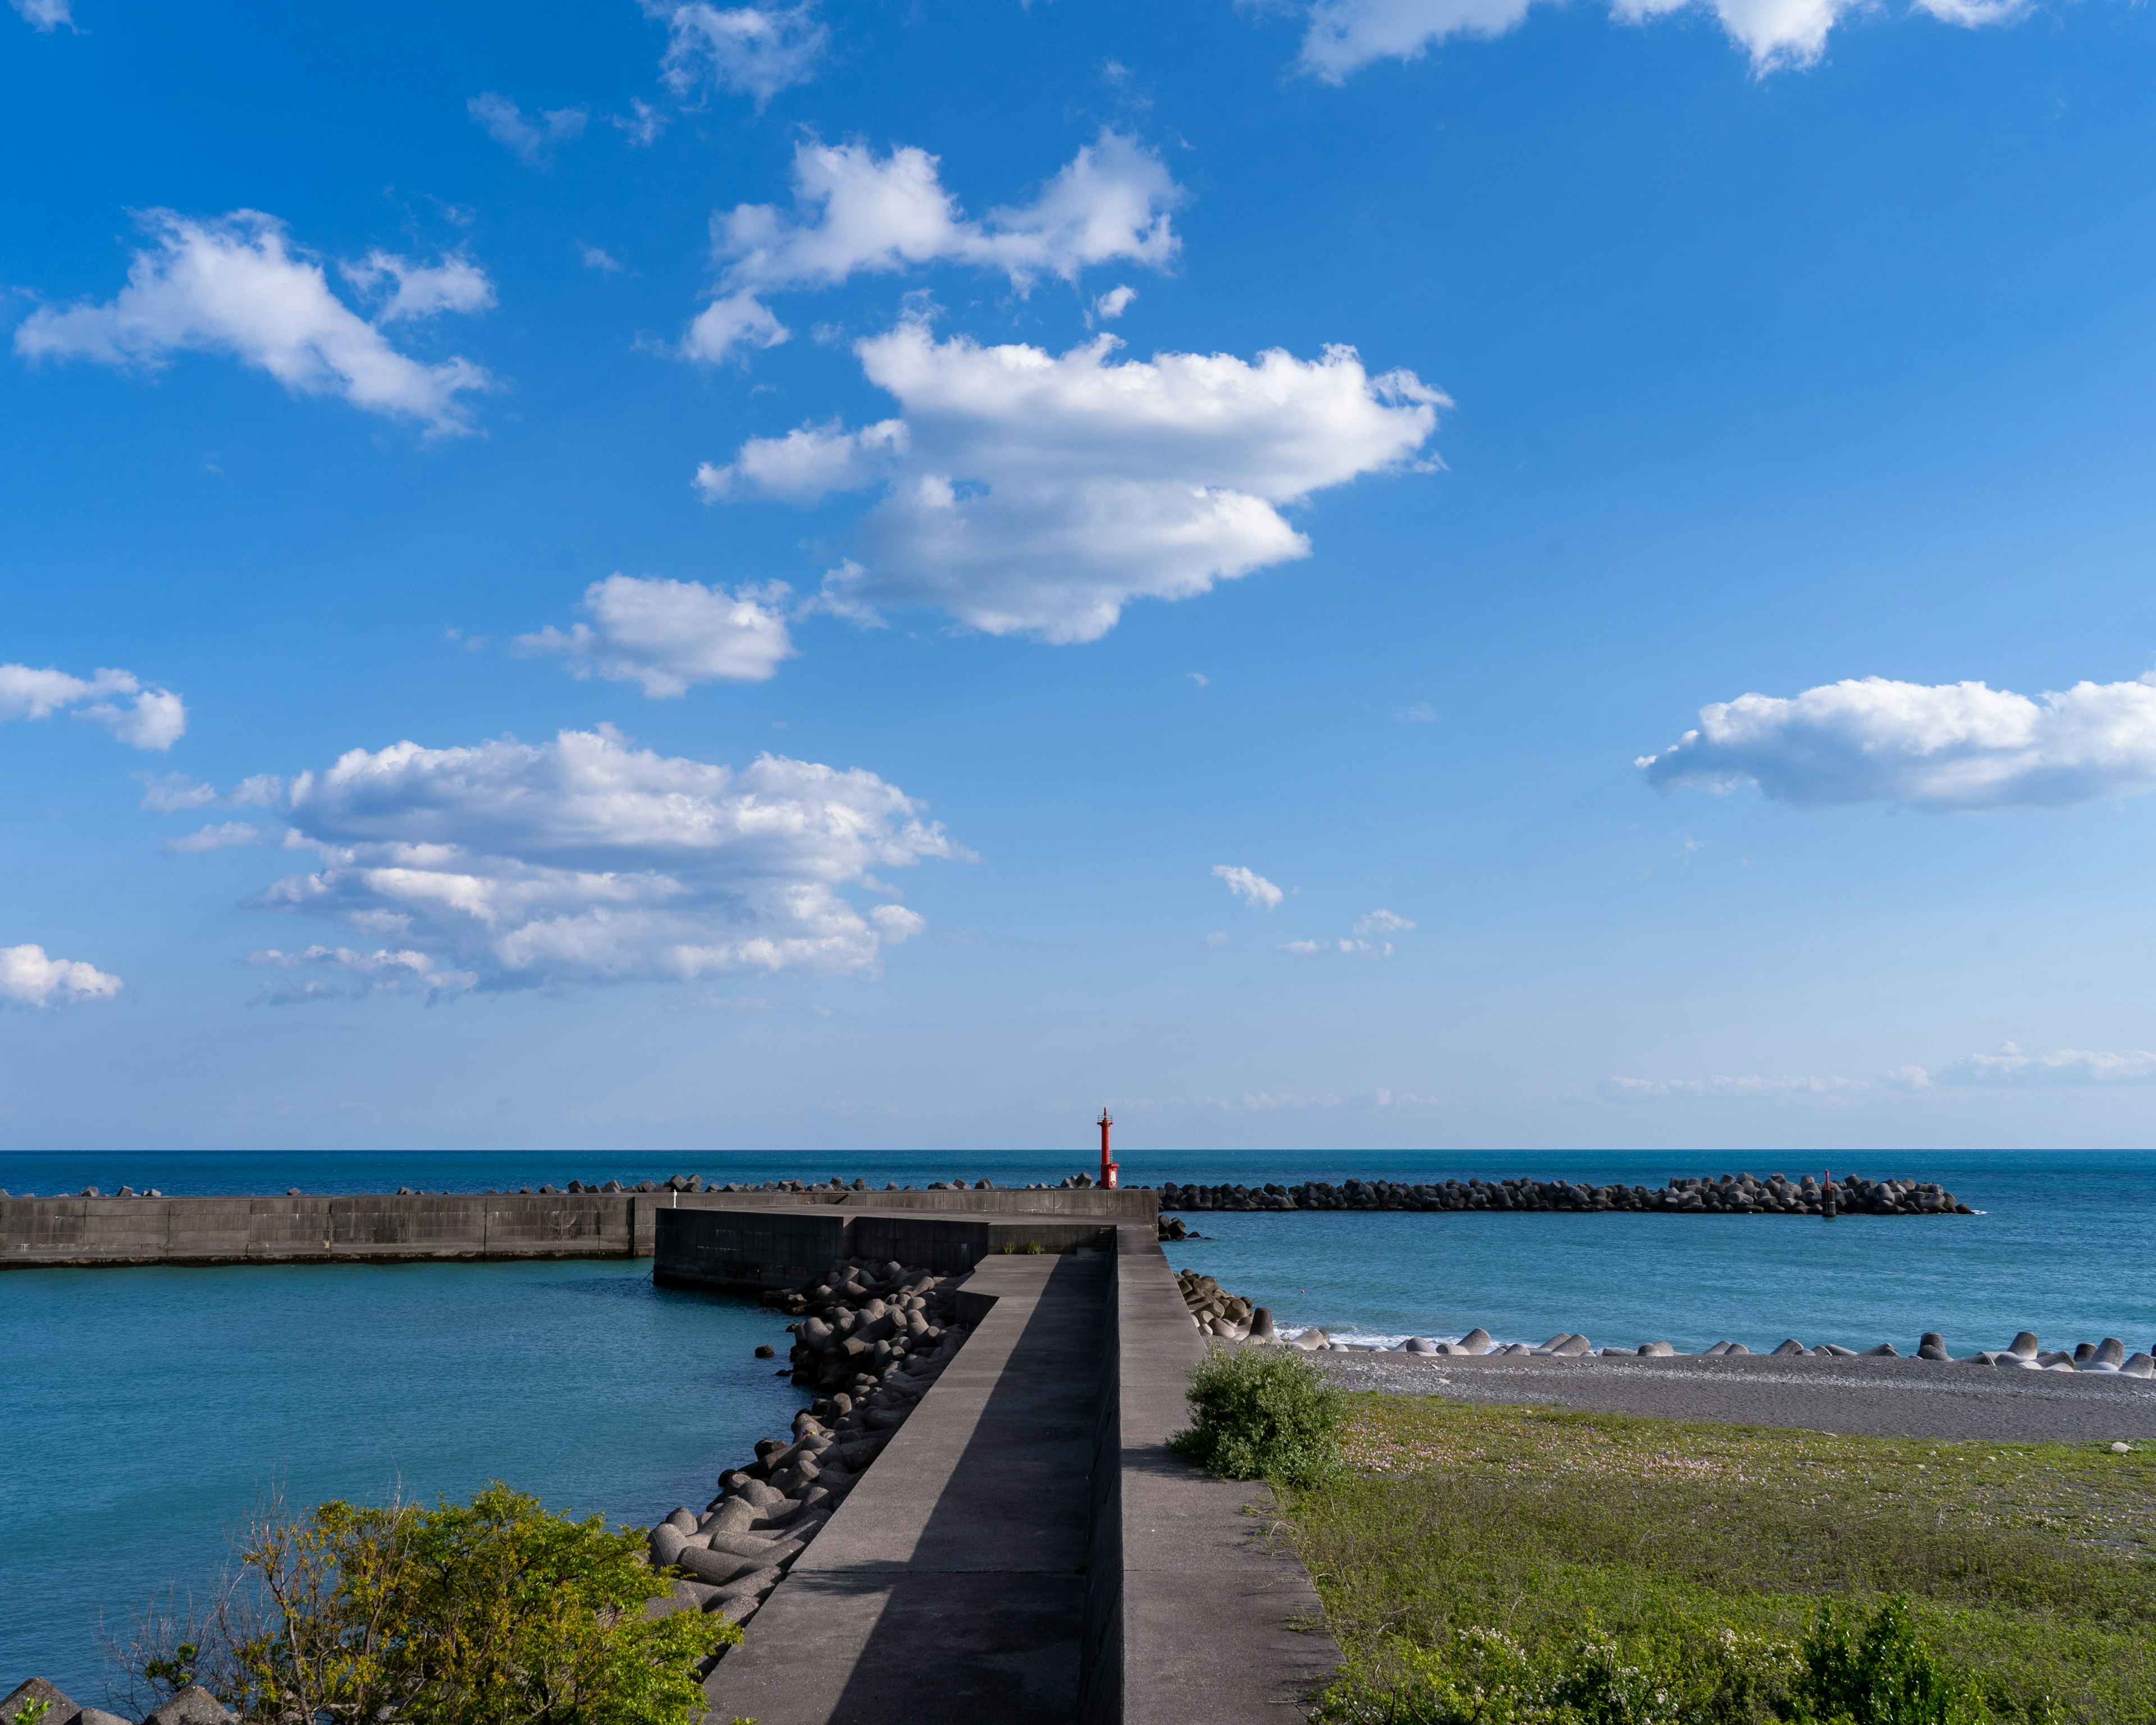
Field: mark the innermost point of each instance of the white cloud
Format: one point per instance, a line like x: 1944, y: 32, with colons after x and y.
x: 27, y: 978
x: 1039, y: 494
x: 1421, y: 712
x: 234, y: 286
x: 854, y: 210
x: 1749, y: 1088
x: 45, y: 14
x: 1381, y: 922
x: 667, y: 635
x: 1344, y: 36
x: 1303, y: 947
x: 729, y: 324
x: 750, y: 50
x: 2011, y: 1069
x: 456, y: 284
x: 1254, y: 890
x: 221, y: 837
x: 808, y: 463
x: 156, y: 719
x: 586, y: 860
x: 175, y: 792
x: 643, y: 122
x: 357, y: 973
x: 1952, y: 745
x: 504, y: 121
x: 1114, y: 303
x: 597, y: 258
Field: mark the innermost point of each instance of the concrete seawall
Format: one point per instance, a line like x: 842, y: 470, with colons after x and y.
x: 41, y: 1233
x: 1026, y: 1550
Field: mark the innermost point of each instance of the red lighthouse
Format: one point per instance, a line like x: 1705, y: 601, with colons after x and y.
x: 1108, y: 1166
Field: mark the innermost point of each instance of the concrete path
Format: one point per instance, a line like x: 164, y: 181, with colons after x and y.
x: 1871, y: 1397
x: 953, y: 1591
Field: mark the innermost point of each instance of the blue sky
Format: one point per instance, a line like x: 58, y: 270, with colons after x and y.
x: 1400, y: 573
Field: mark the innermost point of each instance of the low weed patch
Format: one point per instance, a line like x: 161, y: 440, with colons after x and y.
x: 1511, y: 1566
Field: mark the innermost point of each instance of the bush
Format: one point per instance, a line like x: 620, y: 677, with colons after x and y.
x: 494, y: 1613
x: 1888, y: 1676
x: 1263, y: 1413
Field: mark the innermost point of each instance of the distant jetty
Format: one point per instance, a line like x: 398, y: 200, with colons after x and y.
x: 1730, y: 1195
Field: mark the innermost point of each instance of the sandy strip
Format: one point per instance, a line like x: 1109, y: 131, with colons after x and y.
x: 1874, y: 1397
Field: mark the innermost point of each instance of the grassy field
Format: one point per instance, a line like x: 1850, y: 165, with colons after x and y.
x: 1479, y: 1551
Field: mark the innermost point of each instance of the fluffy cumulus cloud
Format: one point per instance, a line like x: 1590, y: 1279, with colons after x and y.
x: 1025, y: 492
x: 148, y: 718
x: 1951, y: 746
x: 754, y: 51
x: 529, y: 139
x: 28, y: 978
x: 1249, y: 886
x: 236, y: 287
x: 855, y: 211
x: 667, y: 635
x: 45, y: 14
x: 1344, y: 36
x: 585, y: 859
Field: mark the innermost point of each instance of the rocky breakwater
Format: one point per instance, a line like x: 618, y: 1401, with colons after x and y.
x: 1229, y: 1317
x: 1730, y: 1194
x: 870, y: 1338
x: 2108, y: 1355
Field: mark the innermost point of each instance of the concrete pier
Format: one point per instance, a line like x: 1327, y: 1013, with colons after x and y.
x: 1026, y: 1550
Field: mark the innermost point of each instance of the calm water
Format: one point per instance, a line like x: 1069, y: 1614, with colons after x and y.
x: 147, y: 1410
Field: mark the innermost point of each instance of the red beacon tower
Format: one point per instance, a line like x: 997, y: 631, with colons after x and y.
x: 1107, y: 1165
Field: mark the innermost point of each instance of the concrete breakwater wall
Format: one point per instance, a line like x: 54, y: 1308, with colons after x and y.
x: 989, y: 1526
x: 588, y: 1222
x: 1732, y: 1194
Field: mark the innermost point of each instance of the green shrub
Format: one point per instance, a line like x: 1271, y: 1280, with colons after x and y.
x: 1263, y: 1413
x: 1888, y: 1676
x: 494, y: 1613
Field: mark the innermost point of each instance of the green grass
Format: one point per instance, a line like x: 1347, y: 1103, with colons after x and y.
x: 1471, y: 1546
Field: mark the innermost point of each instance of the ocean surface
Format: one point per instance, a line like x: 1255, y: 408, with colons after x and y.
x: 148, y: 1412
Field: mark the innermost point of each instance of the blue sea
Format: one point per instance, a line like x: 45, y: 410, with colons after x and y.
x: 149, y: 1411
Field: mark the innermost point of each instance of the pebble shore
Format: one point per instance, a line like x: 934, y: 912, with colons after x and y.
x: 1731, y: 1194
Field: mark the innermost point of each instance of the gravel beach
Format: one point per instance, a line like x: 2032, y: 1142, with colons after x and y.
x: 1872, y: 1397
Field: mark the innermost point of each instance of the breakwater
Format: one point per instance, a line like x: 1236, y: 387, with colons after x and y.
x: 578, y: 1220
x: 1731, y: 1194
x: 880, y: 1335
